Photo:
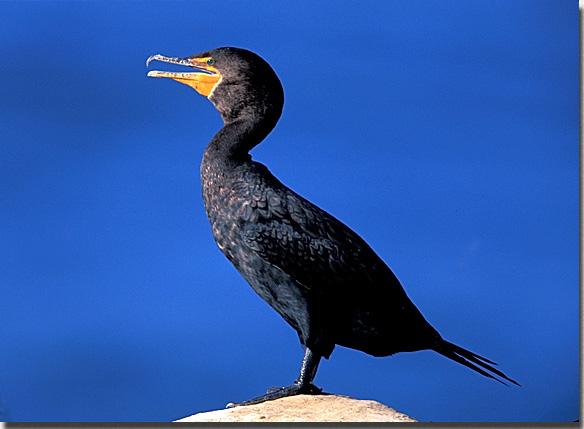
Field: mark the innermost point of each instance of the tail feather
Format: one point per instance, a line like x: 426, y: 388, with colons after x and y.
x: 471, y: 360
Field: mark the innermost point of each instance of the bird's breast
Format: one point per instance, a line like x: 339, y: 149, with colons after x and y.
x: 233, y: 195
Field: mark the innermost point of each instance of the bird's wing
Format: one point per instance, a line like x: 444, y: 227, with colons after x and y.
x: 318, y: 251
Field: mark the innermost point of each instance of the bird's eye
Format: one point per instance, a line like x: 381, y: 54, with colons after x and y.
x: 210, y: 62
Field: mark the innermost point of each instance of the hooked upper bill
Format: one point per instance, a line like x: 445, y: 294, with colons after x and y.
x: 203, y: 80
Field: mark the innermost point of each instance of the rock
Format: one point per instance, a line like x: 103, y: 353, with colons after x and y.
x: 305, y: 408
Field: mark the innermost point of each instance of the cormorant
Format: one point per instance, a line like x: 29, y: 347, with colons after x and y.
x: 318, y: 274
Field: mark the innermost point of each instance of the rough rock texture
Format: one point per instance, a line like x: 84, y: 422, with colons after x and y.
x: 306, y: 408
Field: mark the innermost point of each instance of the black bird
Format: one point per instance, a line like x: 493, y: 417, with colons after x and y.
x: 318, y: 274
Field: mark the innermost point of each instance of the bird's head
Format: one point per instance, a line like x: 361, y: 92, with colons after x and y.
x: 238, y: 82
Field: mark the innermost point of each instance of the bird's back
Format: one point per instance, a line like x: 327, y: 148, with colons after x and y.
x: 316, y: 272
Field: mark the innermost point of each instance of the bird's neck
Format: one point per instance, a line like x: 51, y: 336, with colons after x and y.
x: 234, y: 141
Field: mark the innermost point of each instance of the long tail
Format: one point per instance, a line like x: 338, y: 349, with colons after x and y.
x: 471, y: 360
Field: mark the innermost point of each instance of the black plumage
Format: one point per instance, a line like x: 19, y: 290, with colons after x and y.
x: 318, y: 274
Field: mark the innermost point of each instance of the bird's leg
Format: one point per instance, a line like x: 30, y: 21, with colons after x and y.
x: 302, y: 385
x: 308, y: 369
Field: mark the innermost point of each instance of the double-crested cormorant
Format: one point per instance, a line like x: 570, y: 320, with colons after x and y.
x: 318, y: 274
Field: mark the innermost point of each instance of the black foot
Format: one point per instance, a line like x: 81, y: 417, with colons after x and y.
x: 280, y: 392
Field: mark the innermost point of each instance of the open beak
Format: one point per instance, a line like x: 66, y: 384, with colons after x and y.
x: 203, y: 79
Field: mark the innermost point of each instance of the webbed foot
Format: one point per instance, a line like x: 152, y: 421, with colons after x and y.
x: 280, y: 392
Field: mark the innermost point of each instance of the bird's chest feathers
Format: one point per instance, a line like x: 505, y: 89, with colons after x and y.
x: 233, y: 197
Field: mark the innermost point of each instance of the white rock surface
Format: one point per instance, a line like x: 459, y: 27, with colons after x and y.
x: 306, y: 408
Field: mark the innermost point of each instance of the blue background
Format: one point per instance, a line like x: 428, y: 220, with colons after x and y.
x: 445, y: 133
